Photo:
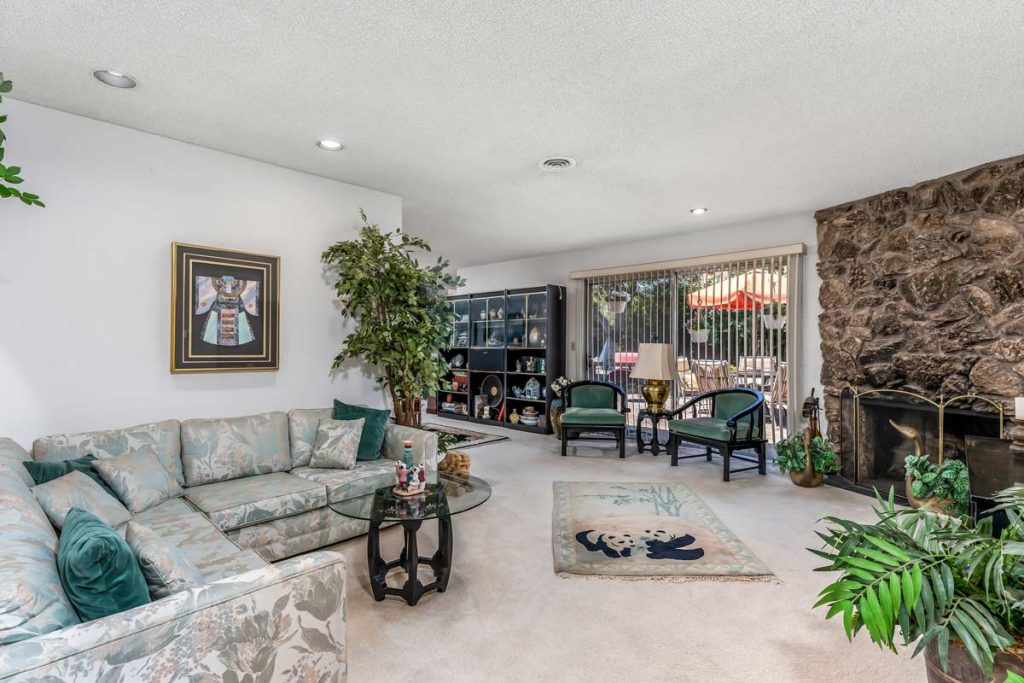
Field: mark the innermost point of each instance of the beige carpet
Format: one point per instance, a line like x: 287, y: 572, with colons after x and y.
x: 507, y: 617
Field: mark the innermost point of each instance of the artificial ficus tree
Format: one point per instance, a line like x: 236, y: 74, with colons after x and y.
x: 11, y: 175
x: 400, y: 309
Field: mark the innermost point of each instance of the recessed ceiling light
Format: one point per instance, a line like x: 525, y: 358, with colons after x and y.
x: 555, y: 164
x: 330, y: 145
x: 114, y: 78
x: 699, y: 211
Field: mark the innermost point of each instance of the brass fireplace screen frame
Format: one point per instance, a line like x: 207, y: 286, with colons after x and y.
x: 941, y: 404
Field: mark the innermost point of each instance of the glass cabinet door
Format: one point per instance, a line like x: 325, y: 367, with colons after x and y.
x: 460, y: 333
x: 487, y: 320
x: 515, y: 321
x: 537, y: 320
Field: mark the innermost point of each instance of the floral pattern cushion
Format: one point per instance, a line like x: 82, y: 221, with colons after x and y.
x: 139, y: 479
x: 279, y: 623
x: 32, y: 601
x: 370, y: 474
x: 251, y: 500
x: 11, y: 457
x: 290, y: 536
x: 229, y: 448
x: 76, y: 490
x: 164, y: 567
x: 163, y: 437
x: 195, y: 537
x: 424, y: 445
x: 337, y: 443
x: 302, y: 426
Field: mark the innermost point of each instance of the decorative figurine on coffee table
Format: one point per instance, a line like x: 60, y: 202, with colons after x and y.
x: 411, y: 479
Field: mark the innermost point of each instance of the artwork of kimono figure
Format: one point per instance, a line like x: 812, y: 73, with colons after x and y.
x: 229, y: 303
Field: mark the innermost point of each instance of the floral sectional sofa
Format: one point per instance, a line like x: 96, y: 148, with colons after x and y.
x: 250, y: 499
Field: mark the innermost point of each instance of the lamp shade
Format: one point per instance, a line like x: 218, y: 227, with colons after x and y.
x: 655, y: 361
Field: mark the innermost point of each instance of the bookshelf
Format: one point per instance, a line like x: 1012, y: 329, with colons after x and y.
x: 506, y: 348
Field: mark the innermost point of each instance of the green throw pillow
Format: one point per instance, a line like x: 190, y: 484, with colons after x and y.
x: 48, y: 470
x: 98, y: 570
x: 372, y: 439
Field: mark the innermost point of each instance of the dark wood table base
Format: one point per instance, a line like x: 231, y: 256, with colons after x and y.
x: 410, y: 560
x: 655, y: 443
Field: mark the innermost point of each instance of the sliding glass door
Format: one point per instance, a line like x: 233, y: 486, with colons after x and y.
x: 730, y: 322
x: 621, y: 313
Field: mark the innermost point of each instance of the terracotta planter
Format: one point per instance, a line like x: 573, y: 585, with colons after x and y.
x: 960, y: 668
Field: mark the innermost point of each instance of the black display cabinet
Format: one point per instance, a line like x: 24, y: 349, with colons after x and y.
x: 506, y: 350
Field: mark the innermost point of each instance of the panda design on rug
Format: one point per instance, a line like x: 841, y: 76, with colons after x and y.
x: 658, y: 544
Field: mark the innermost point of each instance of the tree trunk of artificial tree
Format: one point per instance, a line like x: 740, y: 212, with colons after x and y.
x: 407, y: 411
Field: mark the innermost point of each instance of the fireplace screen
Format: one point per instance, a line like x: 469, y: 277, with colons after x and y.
x: 881, y: 427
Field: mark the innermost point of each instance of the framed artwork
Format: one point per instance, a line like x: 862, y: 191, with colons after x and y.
x: 225, y: 310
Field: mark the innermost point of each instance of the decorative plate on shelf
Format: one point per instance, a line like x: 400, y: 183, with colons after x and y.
x: 458, y: 361
x: 491, y: 388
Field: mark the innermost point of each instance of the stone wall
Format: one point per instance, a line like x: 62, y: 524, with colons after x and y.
x: 923, y: 288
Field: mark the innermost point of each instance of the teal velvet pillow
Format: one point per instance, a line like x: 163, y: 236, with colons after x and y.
x: 98, y: 570
x: 48, y: 470
x: 372, y: 439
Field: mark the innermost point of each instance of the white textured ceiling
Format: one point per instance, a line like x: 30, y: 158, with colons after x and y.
x: 750, y: 108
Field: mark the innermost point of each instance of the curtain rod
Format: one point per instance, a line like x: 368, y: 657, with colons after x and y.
x: 786, y: 250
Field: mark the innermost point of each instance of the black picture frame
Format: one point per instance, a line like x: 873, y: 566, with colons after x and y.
x: 225, y: 310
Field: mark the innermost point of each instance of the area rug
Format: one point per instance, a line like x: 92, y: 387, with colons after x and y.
x: 635, y: 531
x: 465, y: 438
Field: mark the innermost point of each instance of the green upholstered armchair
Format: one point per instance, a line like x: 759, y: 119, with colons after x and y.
x: 736, y: 422
x: 594, y: 407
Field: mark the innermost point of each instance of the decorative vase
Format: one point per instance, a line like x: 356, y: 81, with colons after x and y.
x: 555, y: 416
x: 960, y: 668
x: 700, y: 336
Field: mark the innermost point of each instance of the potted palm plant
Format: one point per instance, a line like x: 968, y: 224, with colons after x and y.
x: 953, y: 585
x: 807, y: 458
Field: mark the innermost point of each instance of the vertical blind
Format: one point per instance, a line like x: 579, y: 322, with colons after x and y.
x: 731, y: 323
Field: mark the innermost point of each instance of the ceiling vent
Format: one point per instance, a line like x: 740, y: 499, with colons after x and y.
x: 555, y: 164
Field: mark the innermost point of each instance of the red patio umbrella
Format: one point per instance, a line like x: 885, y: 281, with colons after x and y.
x: 753, y: 289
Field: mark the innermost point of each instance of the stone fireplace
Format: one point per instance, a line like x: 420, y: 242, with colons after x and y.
x: 878, y: 428
x: 922, y: 292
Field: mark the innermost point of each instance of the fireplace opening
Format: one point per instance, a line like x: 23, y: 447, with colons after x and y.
x: 880, y: 428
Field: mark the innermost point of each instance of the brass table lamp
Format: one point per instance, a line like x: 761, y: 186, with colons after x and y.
x: 655, y: 363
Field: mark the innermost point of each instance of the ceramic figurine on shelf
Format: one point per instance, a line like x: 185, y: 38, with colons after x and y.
x: 514, y: 417
x: 519, y: 365
x: 411, y: 480
x: 532, y: 390
x: 531, y: 364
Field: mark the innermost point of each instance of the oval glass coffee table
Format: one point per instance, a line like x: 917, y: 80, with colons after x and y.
x: 373, y: 500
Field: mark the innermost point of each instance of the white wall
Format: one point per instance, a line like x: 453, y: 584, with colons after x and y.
x: 85, y: 282
x: 555, y: 269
